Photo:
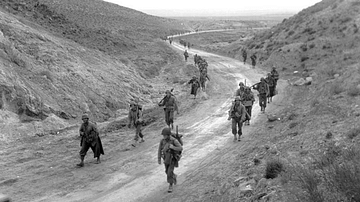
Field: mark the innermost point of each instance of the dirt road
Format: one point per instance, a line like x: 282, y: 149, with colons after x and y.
x: 133, y: 174
x: 205, y: 129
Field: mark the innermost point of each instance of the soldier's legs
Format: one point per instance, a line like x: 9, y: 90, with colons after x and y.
x: 233, y: 128
x: 84, y: 148
x: 169, y: 170
x: 239, y: 124
x: 167, y: 114
x: 248, y: 110
x: 171, y: 118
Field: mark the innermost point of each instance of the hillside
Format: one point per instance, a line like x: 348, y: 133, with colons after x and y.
x: 67, y: 57
x: 317, y: 139
x: 312, y: 152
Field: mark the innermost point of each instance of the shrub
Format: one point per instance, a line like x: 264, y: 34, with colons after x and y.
x: 312, y: 45
x: 353, y: 133
x: 336, y: 89
x: 304, y: 58
x: 273, y: 168
x: 291, y: 33
x: 293, y: 124
x: 353, y: 91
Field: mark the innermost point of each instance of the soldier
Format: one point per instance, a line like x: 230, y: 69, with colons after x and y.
x: 203, y: 78
x: 271, y: 83
x: 89, y: 139
x: 253, y: 60
x: 238, y: 115
x: 195, y: 59
x: 168, y: 151
x: 240, y: 90
x: 136, y: 119
x: 186, y: 55
x: 263, y: 90
x: 244, y: 55
x: 195, y: 84
x: 275, y: 75
x: 248, y: 101
x: 170, y: 105
x: 188, y: 45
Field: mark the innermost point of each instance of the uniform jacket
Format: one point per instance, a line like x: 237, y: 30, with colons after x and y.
x: 88, y: 132
x: 135, y: 114
x: 169, y: 103
x: 166, y: 153
x: 237, y: 111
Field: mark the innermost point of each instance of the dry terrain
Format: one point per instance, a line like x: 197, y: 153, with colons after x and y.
x: 56, y: 62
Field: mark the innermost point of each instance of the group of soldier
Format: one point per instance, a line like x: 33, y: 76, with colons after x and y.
x: 240, y: 111
x: 170, y: 147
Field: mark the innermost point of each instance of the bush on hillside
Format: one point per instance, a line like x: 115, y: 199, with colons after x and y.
x: 339, y: 180
x: 273, y: 168
x: 353, y: 91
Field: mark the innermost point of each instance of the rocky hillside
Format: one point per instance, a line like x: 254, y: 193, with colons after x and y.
x: 317, y: 138
x: 67, y: 57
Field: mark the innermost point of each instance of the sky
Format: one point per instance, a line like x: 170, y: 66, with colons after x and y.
x: 214, y: 7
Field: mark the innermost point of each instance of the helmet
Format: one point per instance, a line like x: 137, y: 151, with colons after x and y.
x: 166, y: 131
x: 262, y: 79
x: 241, y: 84
x: 238, y: 98
x: 84, y: 116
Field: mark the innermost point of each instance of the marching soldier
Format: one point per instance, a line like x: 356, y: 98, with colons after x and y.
x: 237, y: 114
x: 168, y: 151
x: 186, y: 55
x: 195, y: 85
x: 170, y: 105
x: 240, y: 90
x: 263, y: 90
x: 271, y: 83
x: 275, y: 75
x: 244, y: 55
x: 253, y: 60
x: 248, y: 101
x: 136, y: 119
x: 89, y: 139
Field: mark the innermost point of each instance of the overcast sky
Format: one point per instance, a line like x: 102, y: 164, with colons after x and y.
x: 215, y: 6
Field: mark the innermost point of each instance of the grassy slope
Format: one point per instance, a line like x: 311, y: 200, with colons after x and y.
x: 318, y: 135
x: 75, y: 45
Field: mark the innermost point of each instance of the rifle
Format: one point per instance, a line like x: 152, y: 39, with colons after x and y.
x: 165, y: 97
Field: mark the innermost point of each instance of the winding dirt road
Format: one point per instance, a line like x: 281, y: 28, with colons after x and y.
x: 136, y: 176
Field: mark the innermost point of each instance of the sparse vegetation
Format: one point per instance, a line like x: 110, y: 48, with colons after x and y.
x: 354, y: 132
x: 353, y: 91
x: 335, y: 180
x: 336, y: 89
x: 273, y: 168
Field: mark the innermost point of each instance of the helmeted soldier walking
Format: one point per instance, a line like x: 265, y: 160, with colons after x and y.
x: 271, y: 83
x: 275, y: 75
x: 89, y: 139
x: 244, y: 55
x: 170, y: 105
x: 136, y: 119
x: 186, y: 55
x: 263, y: 90
x: 248, y: 101
x: 168, y: 151
x: 237, y: 114
x: 240, y: 90
x: 195, y: 85
x: 253, y: 60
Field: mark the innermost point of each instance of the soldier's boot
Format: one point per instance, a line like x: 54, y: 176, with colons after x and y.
x: 134, y: 143
x: 81, y: 164
x: 170, y: 188
x: 98, y: 160
x: 142, y: 140
x: 235, y: 138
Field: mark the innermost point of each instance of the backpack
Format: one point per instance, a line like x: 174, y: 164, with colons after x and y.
x: 178, y: 137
